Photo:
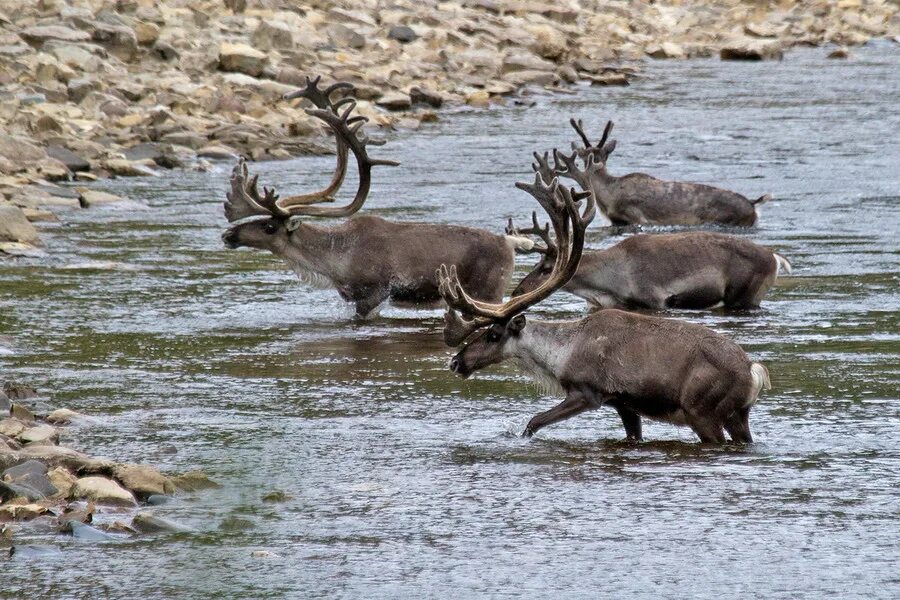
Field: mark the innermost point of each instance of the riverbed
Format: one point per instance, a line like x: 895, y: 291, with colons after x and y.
x: 405, y: 481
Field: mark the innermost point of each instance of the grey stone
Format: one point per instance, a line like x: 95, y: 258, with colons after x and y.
x: 419, y: 95
x: 402, y: 34
x: 271, y: 34
x: 147, y: 522
x: 82, y: 531
x: 38, y: 34
x: 14, y: 226
x: 394, y: 101
x: 72, y: 161
x: 341, y: 35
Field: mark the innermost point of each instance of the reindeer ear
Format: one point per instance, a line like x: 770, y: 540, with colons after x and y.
x: 608, y: 149
x: 517, y: 324
x: 292, y: 224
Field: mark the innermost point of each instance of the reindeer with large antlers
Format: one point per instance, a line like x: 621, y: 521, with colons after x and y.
x: 368, y: 259
x: 640, y: 199
x: 642, y: 366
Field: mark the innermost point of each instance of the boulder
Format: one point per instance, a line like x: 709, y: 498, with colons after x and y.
x: 143, y: 480
x: 123, y: 167
x: 479, y: 99
x: 271, y: 34
x: 102, y: 491
x: 146, y: 33
x: 91, y: 198
x: 609, y: 79
x: 85, y: 532
x: 33, y: 475
x: 402, y: 34
x: 20, y: 152
x: 752, y: 50
x: 418, y: 95
x: 62, y: 480
x: 241, y: 58
x: 42, y: 434
x: 72, y: 161
x: 839, y: 53
x: 63, y: 416
x: 343, y: 36
x: 11, y: 491
x: 14, y: 226
x: 12, y: 427
x: 526, y: 62
x: 547, y: 41
x: 38, y: 34
x: 665, y: 50
x: 119, y: 40
x: 395, y: 101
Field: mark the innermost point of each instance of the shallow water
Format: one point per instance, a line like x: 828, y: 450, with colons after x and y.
x: 406, y: 481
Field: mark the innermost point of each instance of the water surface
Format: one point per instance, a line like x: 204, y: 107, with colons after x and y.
x: 408, y: 482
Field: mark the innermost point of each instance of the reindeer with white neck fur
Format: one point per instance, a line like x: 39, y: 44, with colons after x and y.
x: 642, y: 366
x: 369, y: 260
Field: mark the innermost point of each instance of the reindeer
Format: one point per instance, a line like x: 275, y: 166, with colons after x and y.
x: 690, y: 270
x: 642, y: 366
x: 367, y: 259
x: 639, y: 199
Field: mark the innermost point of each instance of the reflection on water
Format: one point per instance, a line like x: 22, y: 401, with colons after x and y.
x: 407, y: 481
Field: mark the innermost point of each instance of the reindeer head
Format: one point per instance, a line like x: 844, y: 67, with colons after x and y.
x: 502, y: 324
x: 269, y: 222
x: 599, y: 151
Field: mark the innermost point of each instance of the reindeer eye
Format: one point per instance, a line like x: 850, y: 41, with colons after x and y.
x: 270, y: 228
x: 493, y: 336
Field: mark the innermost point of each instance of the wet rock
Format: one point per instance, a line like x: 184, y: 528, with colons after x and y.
x: 14, y: 226
x: 21, y: 512
x: 665, y: 50
x: 418, y: 95
x: 157, y: 499
x: 123, y: 167
x: 35, y: 215
x: 762, y: 30
x: 609, y: 79
x: 839, y: 53
x: 480, y: 99
x: 102, y: 491
x: 235, y: 524
x: 32, y: 551
x: 11, y: 491
x: 271, y: 34
x: 19, y: 391
x: 37, y: 35
x: 395, y: 101
x: 241, y: 58
x: 42, y: 434
x: 343, y: 36
x: 62, y: 480
x: 32, y: 474
x: 263, y: 554
x: 402, y: 34
x: 147, y: 522
x: 84, y: 532
x: 63, y: 416
x: 277, y: 496
x: 91, y: 198
x: 12, y: 427
x: 143, y: 480
x: 752, y: 50
x: 520, y: 78
x: 193, y: 481
x: 218, y: 152
x: 72, y: 161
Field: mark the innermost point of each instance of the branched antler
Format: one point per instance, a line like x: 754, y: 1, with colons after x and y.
x: 548, y: 249
x: 243, y: 200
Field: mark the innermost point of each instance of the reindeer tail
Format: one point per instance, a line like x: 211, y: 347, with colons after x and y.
x: 760, y: 375
x: 520, y: 243
x: 761, y: 200
x: 782, y: 265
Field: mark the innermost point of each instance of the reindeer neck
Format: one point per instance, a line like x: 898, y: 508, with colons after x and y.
x: 317, y: 249
x: 543, y: 348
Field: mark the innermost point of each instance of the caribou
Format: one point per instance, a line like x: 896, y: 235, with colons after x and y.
x: 643, y: 366
x: 640, y: 199
x: 369, y: 260
x: 687, y: 270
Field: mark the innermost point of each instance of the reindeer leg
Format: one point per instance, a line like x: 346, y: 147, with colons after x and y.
x: 708, y: 430
x: 631, y: 420
x: 370, y: 301
x: 574, y: 404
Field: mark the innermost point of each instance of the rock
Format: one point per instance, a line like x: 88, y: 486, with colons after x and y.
x: 520, y: 78
x: 402, y: 34
x: 21, y: 512
x: 11, y: 491
x: 82, y: 531
x: 193, y: 481
x: 277, y: 496
x: 79, y: 89
x: 37, y: 35
x: 35, y: 215
x: 72, y: 161
x: 271, y: 34
x: 526, y: 62
x: 839, y: 53
x: 218, y: 152
x: 567, y: 73
x: 20, y: 152
x: 146, y: 33
x: 547, y: 41
x: 42, y: 434
x: 54, y: 456
x: 91, y: 198
x: 33, y: 475
x: 762, y: 30
x: 143, y: 480
x: 752, y: 50
x: 241, y: 58
x: 418, y: 95
x: 665, y: 50
x: 147, y: 522
x: 343, y: 36
x: 119, y: 40
x: 63, y: 416
x: 127, y: 168
x: 33, y: 551
x: 263, y: 554
x: 19, y: 391
x: 609, y: 79
x: 20, y: 249
x: 157, y: 499
x: 14, y: 227
x: 62, y: 480
x: 53, y: 170
x: 395, y: 101
x: 12, y: 427
x: 479, y: 99
x: 102, y: 491
x: 165, y: 51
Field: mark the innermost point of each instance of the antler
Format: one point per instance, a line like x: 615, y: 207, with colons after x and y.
x: 322, y: 99
x: 549, y: 249
x: 345, y: 128
x: 244, y: 201
x: 601, y: 150
x: 567, y: 166
x: 542, y: 166
x: 569, y: 225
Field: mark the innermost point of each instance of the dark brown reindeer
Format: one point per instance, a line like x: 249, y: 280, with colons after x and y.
x: 640, y: 199
x: 642, y: 366
x: 690, y: 270
x: 367, y: 259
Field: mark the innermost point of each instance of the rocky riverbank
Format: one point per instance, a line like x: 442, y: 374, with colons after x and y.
x: 47, y: 486
x: 99, y: 88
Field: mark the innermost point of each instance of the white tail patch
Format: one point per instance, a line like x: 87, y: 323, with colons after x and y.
x: 761, y: 200
x: 760, y: 375
x: 520, y: 242
x: 782, y: 264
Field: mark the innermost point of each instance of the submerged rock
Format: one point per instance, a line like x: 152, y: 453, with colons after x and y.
x: 147, y: 522
x: 193, y: 481
x: 143, y: 480
x: 81, y: 531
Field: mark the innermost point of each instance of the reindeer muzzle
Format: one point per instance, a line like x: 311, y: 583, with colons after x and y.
x: 458, y: 366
